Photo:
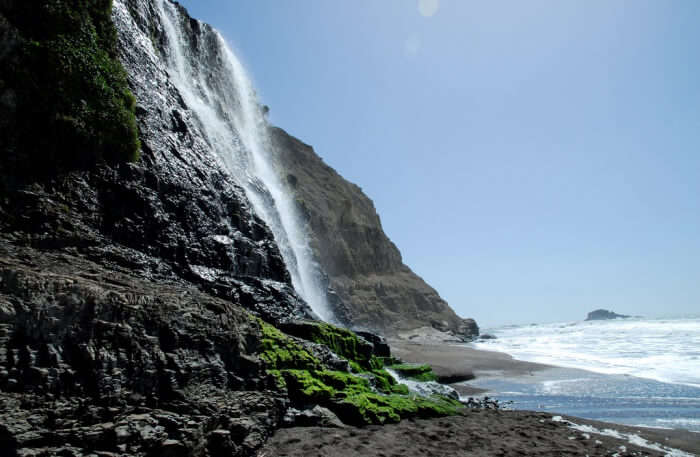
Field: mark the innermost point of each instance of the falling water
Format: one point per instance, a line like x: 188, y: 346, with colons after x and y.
x: 215, y: 86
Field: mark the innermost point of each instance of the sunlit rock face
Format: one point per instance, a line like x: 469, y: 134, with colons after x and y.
x: 364, y: 267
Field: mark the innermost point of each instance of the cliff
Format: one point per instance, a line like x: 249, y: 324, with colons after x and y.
x: 377, y: 289
x: 146, y: 306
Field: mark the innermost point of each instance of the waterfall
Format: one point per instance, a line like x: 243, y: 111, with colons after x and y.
x: 215, y: 87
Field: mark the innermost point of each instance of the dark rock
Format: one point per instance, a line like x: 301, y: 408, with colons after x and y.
x: 454, y: 378
x: 467, y: 330
x: 219, y: 443
x: 487, y: 336
x: 130, y: 294
x: 381, y: 347
x: 317, y: 416
x: 602, y: 314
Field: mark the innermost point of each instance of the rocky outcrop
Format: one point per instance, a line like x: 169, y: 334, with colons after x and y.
x: 95, y: 359
x: 377, y: 290
x: 603, y: 314
x: 126, y: 291
x: 175, y: 214
x: 140, y: 303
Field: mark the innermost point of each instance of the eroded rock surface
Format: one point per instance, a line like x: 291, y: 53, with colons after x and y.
x: 377, y: 290
x: 133, y: 297
x: 97, y: 359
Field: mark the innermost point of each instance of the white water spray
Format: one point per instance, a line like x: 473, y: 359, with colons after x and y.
x: 215, y: 86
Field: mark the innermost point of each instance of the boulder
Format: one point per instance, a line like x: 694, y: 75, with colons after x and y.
x: 381, y: 348
x: 468, y: 330
x: 318, y: 416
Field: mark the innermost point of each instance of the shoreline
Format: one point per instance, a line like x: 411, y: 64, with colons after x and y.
x: 451, y: 360
x: 454, y: 364
x: 473, y: 433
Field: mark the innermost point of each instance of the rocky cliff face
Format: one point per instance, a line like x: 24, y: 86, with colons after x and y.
x: 175, y: 214
x: 140, y: 303
x: 364, y: 267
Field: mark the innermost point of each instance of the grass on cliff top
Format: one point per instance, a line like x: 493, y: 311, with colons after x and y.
x: 73, y: 104
x: 370, y: 395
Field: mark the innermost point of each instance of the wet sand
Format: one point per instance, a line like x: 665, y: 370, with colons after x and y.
x: 456, y: 363
x: 475, y: 433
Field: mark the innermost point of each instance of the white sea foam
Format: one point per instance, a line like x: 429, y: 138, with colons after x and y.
x: 631, y: 438
x: 666, y: 350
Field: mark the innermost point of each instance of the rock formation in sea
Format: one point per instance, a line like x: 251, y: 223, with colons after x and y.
x: 603, y: 314
x: 155, y: 298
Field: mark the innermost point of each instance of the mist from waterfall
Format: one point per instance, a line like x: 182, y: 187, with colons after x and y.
x: 215, y: 86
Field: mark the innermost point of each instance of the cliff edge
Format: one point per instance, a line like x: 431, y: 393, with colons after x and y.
x: 364, y: 267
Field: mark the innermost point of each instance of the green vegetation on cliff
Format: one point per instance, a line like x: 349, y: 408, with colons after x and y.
x: 72, y: 105
x: 369, y: 395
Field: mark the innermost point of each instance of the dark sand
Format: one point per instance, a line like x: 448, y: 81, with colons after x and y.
x: 476, y: 433
x: 453, y: 364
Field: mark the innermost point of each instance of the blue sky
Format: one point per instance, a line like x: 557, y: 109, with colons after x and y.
x: 532, y: 160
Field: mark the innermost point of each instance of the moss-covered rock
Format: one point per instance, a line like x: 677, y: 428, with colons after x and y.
x: 372, y: 408
x: 343, y: 342
x: 279, y: 351
x: 415, y: 372
x: 368, y: 395
x: 76, y: 107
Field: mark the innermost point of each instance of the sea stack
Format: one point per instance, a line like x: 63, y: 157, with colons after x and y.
x: 603, y: 314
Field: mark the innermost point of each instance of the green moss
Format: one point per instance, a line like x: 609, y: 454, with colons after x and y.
x: 305, y: 387
x: 346, y: 383
x: 75, y: 108
x: 341, y: 341
x: 422, y: 373
x: 350, y: 395
x: 280, y: 351
x: 352, y: 399
x: 372, y: 408
x: 400, y: 389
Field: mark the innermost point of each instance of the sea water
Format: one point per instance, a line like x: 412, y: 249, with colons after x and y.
x: 630, y: 371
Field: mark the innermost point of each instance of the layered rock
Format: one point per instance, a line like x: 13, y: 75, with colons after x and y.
x: 136, y: 298
x: 94, y: 359
x: 378, y: 290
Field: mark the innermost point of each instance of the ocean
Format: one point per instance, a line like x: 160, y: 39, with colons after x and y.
x: 630, y: 371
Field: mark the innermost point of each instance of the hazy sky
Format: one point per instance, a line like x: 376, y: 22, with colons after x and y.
x: 532, y: 160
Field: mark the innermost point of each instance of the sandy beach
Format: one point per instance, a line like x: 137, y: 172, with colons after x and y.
x: 475, y: 433
x: 479, y: 432
x: 454, y: 364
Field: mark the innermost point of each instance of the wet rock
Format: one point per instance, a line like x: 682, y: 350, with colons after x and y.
x: 318, y: 416
x: 219, y: 443
x: 380, y: 346
x: 105, y: 361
